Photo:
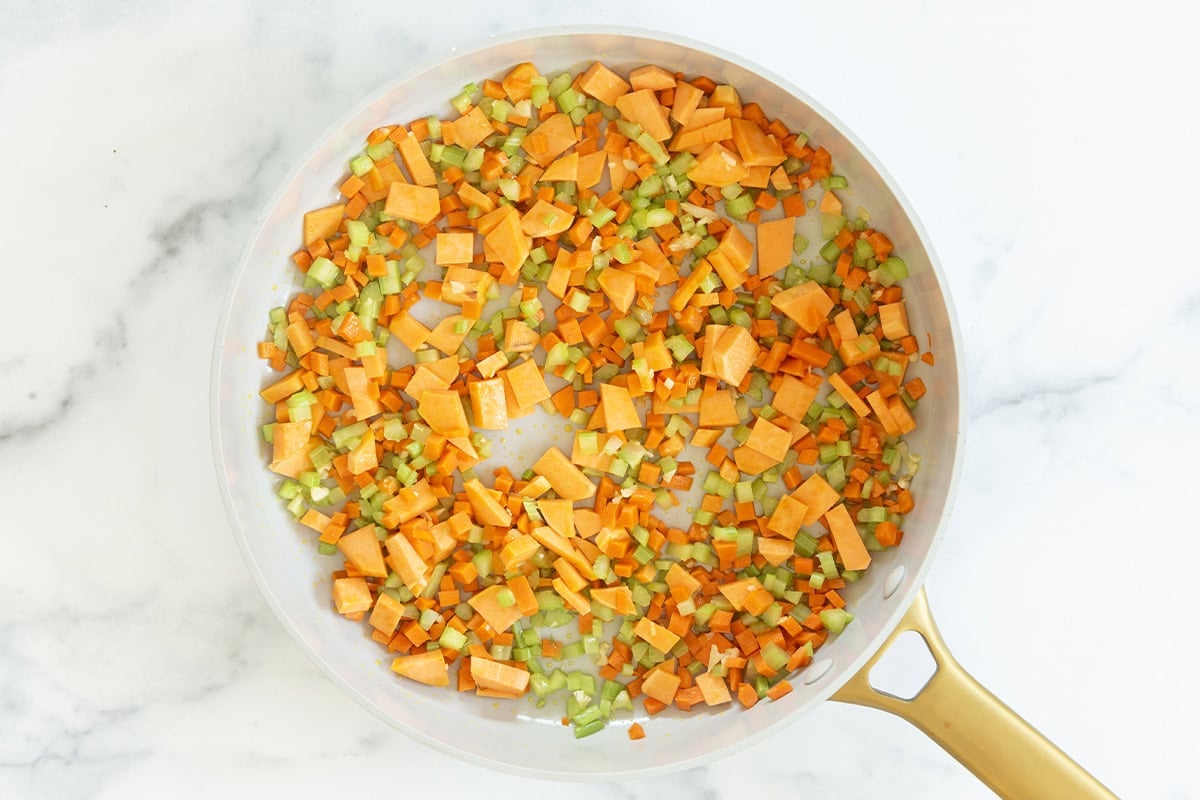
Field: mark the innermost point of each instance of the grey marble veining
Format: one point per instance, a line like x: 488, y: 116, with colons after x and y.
x: 1049, y: 152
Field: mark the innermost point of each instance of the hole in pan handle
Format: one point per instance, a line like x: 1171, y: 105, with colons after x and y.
x: 973, y: 725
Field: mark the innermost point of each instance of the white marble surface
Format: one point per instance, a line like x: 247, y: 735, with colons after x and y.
x: 1050, y: 151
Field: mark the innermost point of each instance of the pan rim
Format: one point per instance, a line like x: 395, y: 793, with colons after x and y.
x: 915, y: 580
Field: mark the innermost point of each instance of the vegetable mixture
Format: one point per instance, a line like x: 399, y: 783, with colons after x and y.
x: 620, y: 250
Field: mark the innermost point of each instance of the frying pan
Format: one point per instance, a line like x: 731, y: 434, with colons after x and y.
x: 971, y: 724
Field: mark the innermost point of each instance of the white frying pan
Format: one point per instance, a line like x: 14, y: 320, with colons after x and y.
x: 516, y: 737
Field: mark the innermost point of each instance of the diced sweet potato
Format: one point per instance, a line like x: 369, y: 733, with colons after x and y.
x: 527, y: 384
x: 566, y: 479
x: 618, y: 598
x: 489, y: 674
x: 806, y: 303
x: 443, y: 411
x: 362, y: 549
x: 661, y: 685
x: 419, y: 204
x: 619, y: 287
x: 428, y: 668
x: 363, y: 457
x: 736, y: 592
x: 717, y: 166
x: 499, y: 616
x: 603, y: 84
x: 817, y: 496
x: 454, y: 248
x: 351, y: 595
x: 565, y: 168
x: 517, y: 83
x: 323, y: 222
x: 619, y: 412
x: 419, y: 168
x: 713, y: 688
x: 655, y: 635
x: 788, y: 518
x: 549, y: 139
x: 775, y: 241
x: 486, y: 506
x: 893, y: 319
x: 769, y: 439
x: 735, y: 352
x: 717, y: 410
x: 845, y: 535
x: 472, y: 128
x: 757, y: 149
x: 794, y: 397
x: 651, y: 77
x: 643, y: 108
x: 545, y: 219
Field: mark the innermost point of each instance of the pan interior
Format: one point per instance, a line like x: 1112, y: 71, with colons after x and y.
x: 516, y: 736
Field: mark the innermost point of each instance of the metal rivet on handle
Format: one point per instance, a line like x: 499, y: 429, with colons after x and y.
x: 817, y: 671
x: 892, y: 582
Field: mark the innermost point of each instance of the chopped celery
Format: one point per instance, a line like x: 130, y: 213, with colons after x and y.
x: 324, y: 272
x: 835, y: 619
x: 830, y: 251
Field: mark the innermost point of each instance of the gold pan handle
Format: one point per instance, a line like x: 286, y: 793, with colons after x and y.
x: 971, y: 724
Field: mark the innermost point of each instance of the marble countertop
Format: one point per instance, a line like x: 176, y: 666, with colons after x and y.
x: 1050, y: 152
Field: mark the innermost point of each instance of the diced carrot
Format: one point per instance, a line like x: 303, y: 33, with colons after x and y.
x: 779, y: 690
